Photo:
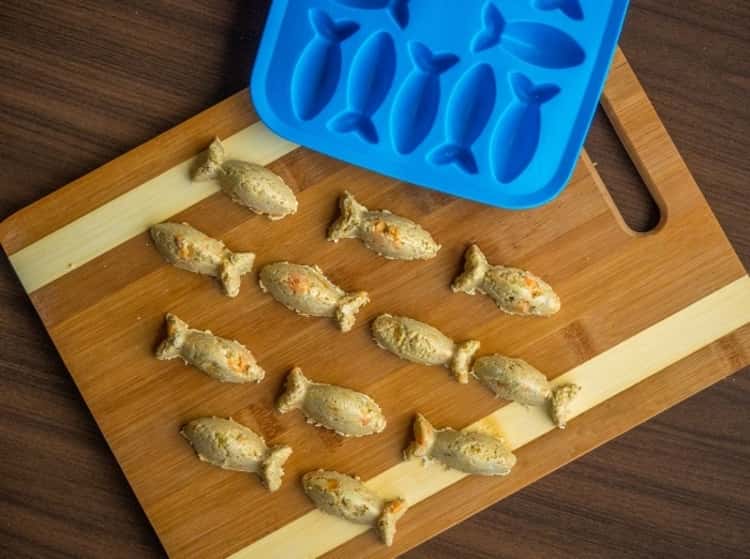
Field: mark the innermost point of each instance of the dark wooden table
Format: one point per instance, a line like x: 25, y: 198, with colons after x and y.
x: 83, y: 81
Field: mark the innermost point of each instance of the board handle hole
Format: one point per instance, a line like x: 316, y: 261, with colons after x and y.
x: 629, y: 193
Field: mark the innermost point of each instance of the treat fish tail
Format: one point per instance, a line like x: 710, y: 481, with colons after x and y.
x: 295, y: 391
x: 176, y: 333
x: 211, y: 167
x: 233, y: 268
x: 272, y: 469
x: 348, y: 223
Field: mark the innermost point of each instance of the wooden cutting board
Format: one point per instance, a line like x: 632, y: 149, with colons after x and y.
x: 647, y: 321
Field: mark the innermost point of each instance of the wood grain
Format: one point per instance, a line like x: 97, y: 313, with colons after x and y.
x: 89, y: 547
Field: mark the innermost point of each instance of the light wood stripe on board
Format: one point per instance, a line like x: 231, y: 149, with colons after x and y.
x: 601, y: 378
x: 133, y: 213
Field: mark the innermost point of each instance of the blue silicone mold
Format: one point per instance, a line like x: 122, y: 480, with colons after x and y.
x: 489, y: 100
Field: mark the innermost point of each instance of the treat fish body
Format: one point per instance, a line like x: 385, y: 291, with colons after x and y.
x: 221, y: 359
x: 421, y: 343
x: 345, y: 411
x: 308, y: 292
x: 188, y: 249
x: 227, y: 444
x: 467, y: 451
x: 248, y: 184
x: 512, y: 379
x: 514, y: 291
x: 348, y: 498
x: 391, y: 236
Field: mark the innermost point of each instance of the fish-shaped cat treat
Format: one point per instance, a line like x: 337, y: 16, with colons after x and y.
x: 221, y: 359
x: 186, y: 248
x: 470, y: 452
x: 421, y: 343
x: 571, y: 8
x: 253, y: 186
x: 308, y: 292
x: 370, y: 80
x: 514, y: 291
x: 317, y: 73
x: 516, y: 137
x: 398, y: 9
x: 418, y: 100
x: 536, y: 43
x: 348, y: 498
x: 469, y: 108
x: 343, y: 410
x: 516, y: 380
x: 391, y: 236
x: 231, y: 446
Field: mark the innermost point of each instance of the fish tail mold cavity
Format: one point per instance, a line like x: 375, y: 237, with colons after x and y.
x: 488, y: 100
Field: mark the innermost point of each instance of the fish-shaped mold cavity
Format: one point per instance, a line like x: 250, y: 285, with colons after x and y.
x: 417, y: 102
x: 370, y: 80
x: 318, y: 70
x: 398, y: 9
x: 221, y: 359
x: 536, y: 43
x: 470, y: 452
x: 348, y: 498
x: 186, y: 248
x: 308, y: 292
x: 250, y: 185
x: 515, y: 291
x: 231, y: 446
x: 469, y: 108
x: 571, y: 8
x: 347, y: 412
x: 391, y: 236
x: 517, y: 132
x: 421, y: 343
